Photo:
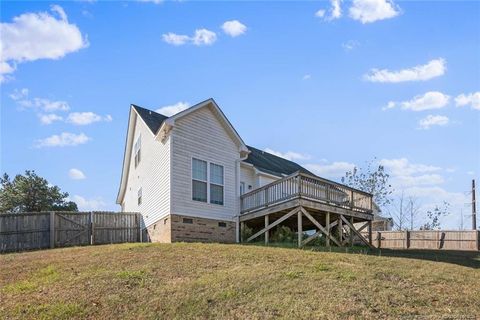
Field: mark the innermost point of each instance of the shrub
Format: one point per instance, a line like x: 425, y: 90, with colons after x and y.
x: 246, y: 232
x: 283, y: 234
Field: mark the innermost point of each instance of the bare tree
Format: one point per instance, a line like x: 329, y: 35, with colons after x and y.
x: 413, y: 209
x: 397, y: 212
x: 434, y: 216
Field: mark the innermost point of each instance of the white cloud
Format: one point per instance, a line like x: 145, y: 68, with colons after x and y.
x: 367, y: 11
x: 234, y: 28
x: 76, y: 174
x: 472, y: 99
x: 175, y: 39
x: 33, y: 36
x: 332, y: 170
x: 47, y: 105
x: 204, y: 37
x: 403, y: 167
x: 19, y: 94
x: 63, y: 140
x: 85, y: 118
x: 307, y: 77
x: 432, y: 120
x: 336, y: 10
x: 89, y: 204
x: 428, y: 101
x: 320, y: 13
x: 200, y: 38
x: 432, y: 69
x: 425, y: 179
x: 289, y: 155
x: 49, y: 118
x: 350, y: 45
x: 173, y: 109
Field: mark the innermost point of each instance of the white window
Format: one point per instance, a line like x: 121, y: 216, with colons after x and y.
x: 139, y: 196
x: 207, y: 182
x: 216, y: 184
x: 138, y: 146
x: 199, y: 180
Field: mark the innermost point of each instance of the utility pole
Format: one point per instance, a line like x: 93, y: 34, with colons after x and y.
x: 474, y: 207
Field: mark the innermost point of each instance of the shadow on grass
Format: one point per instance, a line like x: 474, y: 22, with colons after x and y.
x: 463, y: 258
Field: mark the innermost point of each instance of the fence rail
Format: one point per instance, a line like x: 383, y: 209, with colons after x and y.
x: 428, y: 239
x: 303, y: 185
x: 29, y: 231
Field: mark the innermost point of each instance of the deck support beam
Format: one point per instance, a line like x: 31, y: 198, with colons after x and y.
x: 370, y: 234
x: 327, y: 225
x: 266, y: 232
x: 274, y: 224
x: 351, y: 232
x: 242, y: 227
x: 319, y: 226
x: 340, y: 230
x: 352, y: 228
x: 299, y: 228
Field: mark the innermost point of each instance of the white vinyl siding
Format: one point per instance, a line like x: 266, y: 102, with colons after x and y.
x: 247, y: 175
x: 152, y: 176
x: 201, y: 135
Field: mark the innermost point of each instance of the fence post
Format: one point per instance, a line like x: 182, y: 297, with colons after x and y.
x: 92, y: 228
x: 407, y: 239
x: 52, y: 229
x: 379, y: 239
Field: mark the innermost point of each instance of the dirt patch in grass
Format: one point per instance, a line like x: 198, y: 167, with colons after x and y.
x: 210, y: 281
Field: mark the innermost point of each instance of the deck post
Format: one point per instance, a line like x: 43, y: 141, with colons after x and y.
x: 299, y: 229
x: 340, y: 230
x: 351, y: 232
x: 327, y: 226
x: 370, y: 232
x: 242, y: 227
x: 267, y: 231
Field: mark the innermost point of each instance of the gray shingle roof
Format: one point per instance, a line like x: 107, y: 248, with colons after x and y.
x: 153, y: 119
x: 273, y: 164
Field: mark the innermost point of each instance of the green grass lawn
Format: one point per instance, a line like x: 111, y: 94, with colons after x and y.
x: 185, y: 281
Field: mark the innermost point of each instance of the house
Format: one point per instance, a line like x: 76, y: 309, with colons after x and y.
x: 193, y: 178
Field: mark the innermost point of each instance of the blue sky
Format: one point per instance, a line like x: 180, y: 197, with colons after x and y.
x: 327, y: 84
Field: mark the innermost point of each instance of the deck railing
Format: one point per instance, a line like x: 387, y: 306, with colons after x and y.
x: 301, y: 185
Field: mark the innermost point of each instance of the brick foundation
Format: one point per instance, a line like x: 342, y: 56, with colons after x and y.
x: 177, y: 228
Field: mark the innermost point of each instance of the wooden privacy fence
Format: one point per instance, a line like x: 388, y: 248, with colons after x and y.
x: 28, y: 231
x: 427, y: 239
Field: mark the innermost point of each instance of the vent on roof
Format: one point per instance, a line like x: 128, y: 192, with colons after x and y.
x: 149, y: 112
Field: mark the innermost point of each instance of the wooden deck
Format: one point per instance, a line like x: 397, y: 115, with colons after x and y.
x: 327, y: 206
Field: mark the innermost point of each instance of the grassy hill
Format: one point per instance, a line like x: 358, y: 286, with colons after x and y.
x: 231, y: 281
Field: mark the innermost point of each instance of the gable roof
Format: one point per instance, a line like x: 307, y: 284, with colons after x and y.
x: 152, y: 119
x: 272, y: 164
